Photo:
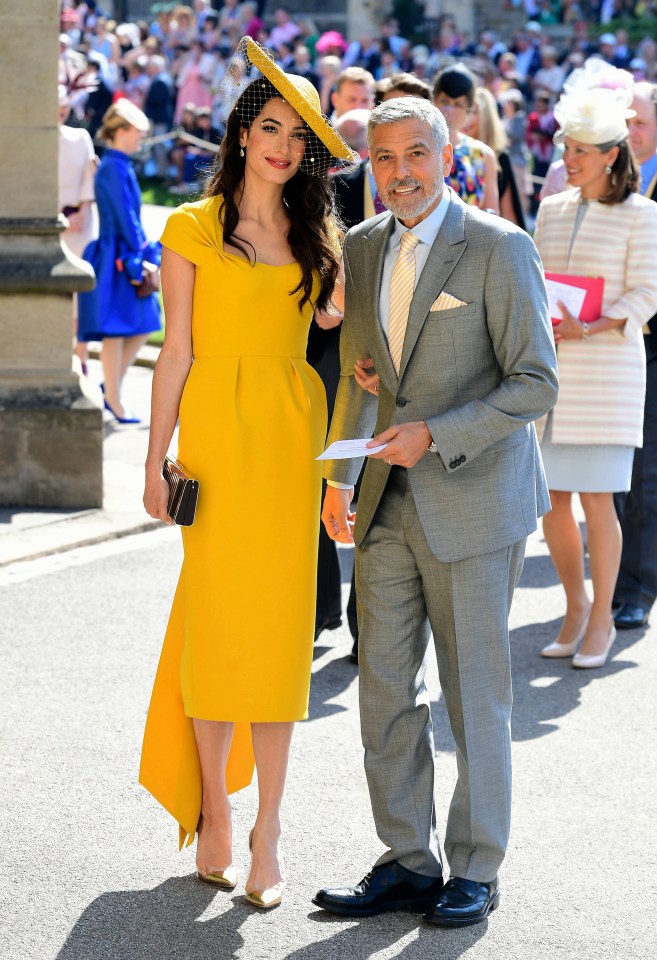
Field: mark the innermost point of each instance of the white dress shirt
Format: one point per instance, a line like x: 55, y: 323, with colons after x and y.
x: 426, y: 231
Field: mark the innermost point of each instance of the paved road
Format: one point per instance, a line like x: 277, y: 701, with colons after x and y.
x: 92, y: 868
x: 90, y: 862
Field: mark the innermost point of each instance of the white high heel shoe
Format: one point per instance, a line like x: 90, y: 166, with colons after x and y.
x: 589, y: 661
x: 556, y: 649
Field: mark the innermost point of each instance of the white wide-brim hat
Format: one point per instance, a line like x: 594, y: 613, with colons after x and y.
x: 595, y: 116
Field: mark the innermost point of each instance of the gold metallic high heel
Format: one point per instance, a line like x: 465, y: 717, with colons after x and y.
x: 224, y: 877
x: 271, y: 896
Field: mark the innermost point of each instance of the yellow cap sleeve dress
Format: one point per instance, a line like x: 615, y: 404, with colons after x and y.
x: 239, y: 642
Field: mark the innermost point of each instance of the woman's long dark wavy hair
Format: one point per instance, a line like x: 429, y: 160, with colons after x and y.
x: 314, y: 236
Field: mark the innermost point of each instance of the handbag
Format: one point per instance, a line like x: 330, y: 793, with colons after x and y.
x: 183, y: 493
x: 150, y: 281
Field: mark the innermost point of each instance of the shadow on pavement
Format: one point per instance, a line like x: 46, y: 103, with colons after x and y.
x: 537, y: 574
x: 365, y: 938
x: 544, y: 690
x: 329, y: 682
x: 166, y: 923
x: 154, y: 924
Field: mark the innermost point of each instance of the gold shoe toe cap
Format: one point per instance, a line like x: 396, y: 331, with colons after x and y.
x: 225, y: 878
x: 265, y: 899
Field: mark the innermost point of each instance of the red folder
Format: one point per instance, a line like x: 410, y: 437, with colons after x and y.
x: 594, y: 286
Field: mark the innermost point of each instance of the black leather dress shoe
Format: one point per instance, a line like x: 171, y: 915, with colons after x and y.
x: 463, y: 902
x: 629, y: 617
x: 329, y: 623
x: 388, y: 887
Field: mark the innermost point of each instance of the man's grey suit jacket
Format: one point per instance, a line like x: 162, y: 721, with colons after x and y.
x: 478, y: 374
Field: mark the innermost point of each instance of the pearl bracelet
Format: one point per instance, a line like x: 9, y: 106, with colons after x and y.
x: 585, y: 330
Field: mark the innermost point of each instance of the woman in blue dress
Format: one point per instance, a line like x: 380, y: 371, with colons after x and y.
x: 114, y: 311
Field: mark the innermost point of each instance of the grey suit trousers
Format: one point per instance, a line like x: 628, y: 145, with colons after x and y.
x: 404, y: 592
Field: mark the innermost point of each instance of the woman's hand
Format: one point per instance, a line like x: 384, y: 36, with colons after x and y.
x: 366, y: 375
x: 569, y: 328
x: 156, y: 496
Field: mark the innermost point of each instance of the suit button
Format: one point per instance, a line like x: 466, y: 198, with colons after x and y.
x: 462, y: 458
x: 453, y: 464
x: 401, y: 401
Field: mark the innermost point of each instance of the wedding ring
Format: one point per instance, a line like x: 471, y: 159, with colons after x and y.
x: 376, y: 388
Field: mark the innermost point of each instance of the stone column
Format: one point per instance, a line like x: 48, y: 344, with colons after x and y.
x: 50, y: 432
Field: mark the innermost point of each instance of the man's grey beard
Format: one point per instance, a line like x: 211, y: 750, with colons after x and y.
x: 405, y: 210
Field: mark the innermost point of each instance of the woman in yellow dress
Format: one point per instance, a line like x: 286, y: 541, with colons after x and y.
x: 242, y: 272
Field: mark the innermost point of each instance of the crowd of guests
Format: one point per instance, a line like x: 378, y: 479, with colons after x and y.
x: 174, y: 69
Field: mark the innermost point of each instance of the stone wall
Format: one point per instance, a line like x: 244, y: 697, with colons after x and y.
x: 50, y: 432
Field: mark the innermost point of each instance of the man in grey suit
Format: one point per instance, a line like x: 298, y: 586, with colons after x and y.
x: 444, y: 509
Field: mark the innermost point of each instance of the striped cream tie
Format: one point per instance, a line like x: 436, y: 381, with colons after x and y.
x: 401, y: 294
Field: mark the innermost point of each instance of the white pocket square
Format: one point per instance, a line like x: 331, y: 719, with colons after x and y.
x: 447, y: 302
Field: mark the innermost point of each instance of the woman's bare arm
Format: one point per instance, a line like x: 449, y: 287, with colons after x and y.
x: 171, y: 372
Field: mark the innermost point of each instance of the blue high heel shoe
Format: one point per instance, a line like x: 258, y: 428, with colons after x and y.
x: 131, y: 418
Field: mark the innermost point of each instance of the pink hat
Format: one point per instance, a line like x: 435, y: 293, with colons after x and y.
x: 331, y: 39
x: 69, y: 16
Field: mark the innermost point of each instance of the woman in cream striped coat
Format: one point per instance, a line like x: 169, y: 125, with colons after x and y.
x: 600, y: 228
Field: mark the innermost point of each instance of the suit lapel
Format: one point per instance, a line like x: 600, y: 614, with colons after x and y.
x: 446, y: 251
x: 375, y: 246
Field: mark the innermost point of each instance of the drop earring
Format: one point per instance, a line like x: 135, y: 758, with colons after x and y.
x: 241, y: 151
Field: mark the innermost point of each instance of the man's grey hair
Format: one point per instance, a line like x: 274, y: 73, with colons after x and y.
x: 409, y: 108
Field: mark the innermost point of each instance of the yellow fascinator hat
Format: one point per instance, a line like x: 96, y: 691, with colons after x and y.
x: 300, y: 94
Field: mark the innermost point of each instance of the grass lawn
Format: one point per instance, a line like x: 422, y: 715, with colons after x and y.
x: 154, y: 191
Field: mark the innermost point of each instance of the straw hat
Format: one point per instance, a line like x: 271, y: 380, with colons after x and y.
x: 300, y: 94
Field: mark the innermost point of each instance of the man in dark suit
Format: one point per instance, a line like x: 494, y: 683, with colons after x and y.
x: 158, y: 107
x: 636, y: 587
x: 324, y: 355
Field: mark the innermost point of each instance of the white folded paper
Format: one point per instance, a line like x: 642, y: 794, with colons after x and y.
x: 349, y: 450
x: 572, y: 297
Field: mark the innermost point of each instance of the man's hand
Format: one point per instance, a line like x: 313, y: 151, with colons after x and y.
x: 336, y: 515
x: 406, y: 444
